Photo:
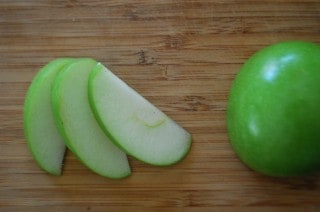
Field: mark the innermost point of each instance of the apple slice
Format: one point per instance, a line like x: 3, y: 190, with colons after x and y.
x: 43, y: 139
x: 133, y: 123
x: 78, y: 126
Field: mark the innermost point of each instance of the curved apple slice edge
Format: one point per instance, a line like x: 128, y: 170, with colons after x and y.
x: 43, y: 139
x: 133, y: 123
x: 73, y: 114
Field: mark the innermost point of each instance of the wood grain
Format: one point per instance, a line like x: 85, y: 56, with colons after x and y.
x: 182, y: 55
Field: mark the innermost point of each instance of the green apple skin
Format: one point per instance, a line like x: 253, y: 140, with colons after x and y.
x: 78, y: 126
x: 133, y: 123
x: 43, y: 139
x: 273, y: 112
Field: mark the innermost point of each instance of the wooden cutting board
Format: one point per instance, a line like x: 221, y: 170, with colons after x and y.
x: 182, y: 55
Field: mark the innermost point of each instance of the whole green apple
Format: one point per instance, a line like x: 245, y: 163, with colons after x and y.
x: 273, y: 112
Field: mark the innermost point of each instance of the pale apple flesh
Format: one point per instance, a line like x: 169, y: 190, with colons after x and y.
x: 133, y: 123
x: 43, y: 139
x: 78, y: 126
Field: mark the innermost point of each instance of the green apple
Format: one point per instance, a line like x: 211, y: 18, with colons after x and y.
x: 78, y: 126
x: 133, y: 123
x: 273, y: 113
x: 43, y: 138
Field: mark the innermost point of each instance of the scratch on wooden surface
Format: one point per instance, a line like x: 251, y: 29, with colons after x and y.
x: 146, y: 57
